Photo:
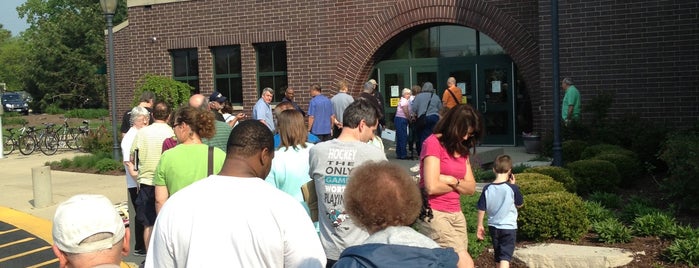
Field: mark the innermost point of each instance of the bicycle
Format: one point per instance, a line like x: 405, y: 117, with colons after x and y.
x: 48, y: 139
x: 27, y: 140
x: 9, y: 142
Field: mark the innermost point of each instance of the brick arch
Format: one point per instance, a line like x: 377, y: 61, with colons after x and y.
x: 363, y: 51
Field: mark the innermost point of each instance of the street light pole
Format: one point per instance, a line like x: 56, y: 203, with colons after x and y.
x: 109, y: 8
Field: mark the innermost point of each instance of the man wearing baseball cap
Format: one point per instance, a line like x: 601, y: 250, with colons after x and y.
x: 216, y: 101
x: 88, y: 232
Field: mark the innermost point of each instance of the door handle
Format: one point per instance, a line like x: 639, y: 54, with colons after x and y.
x: 485, y: 106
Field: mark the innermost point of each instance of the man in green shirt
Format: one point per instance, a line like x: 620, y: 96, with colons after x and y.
x: 571, y: 101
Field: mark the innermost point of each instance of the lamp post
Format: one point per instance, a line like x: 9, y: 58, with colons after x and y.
x: 109, y: 8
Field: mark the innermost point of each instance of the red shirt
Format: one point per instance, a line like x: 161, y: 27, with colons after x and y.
x: 448, y: 165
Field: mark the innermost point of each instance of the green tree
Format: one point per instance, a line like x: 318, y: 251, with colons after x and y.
x: 66, y: 43
x: 13, y: 62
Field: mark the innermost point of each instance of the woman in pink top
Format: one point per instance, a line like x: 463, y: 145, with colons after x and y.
x: 401, y: 121
x: 445, y: 175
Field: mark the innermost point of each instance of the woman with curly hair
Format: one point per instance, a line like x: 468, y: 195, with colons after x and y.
x: 189, y: 160
x: 445, y: 175
x: 392, y: 242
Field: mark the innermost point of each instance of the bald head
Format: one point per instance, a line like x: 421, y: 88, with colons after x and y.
x: 451, y: 81
x: 198, y: 101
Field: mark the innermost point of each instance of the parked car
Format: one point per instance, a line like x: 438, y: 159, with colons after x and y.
x: 14, y: 102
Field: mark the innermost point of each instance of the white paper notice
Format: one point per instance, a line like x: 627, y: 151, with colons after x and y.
x: 394, y: 91
x: 462, y: 86
x: 495, y: 86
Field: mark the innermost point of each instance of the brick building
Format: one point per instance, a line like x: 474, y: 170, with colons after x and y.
x: 644, y: 53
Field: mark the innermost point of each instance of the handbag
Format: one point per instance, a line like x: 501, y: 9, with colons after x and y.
x: 421, y: 121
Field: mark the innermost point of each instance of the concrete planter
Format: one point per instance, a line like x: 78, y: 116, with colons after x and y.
x: 532, y: 143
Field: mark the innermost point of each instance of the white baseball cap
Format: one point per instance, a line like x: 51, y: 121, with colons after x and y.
x: 83, y: 216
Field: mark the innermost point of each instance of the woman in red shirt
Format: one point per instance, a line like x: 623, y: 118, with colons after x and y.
x: 445, y: 175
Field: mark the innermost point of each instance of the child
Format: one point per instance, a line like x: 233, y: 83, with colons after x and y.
x: 500, y: 200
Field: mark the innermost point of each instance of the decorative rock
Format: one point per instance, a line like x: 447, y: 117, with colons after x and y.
x: 561, y: 256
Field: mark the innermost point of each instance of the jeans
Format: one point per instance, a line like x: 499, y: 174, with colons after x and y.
x: 427, y: 131
x: 401, y: 136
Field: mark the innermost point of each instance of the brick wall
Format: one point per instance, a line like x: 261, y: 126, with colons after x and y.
x: 645, y: 53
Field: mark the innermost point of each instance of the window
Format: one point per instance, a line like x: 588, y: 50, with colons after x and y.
x: 185, y: 67
x: 227, y: 73
x: 443, y: 42
x: 271, y: 68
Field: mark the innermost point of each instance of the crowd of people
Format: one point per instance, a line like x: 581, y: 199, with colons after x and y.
x: 212, y: 188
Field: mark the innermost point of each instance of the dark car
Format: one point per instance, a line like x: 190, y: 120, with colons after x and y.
x: 14, y: 102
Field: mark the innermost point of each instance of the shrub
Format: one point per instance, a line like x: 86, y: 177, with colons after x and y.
x: 519, y: 168
x: 637, y: 207
x: 98, y: 142
x: 654, y: 224
x: 684, y: 251
x: 628, y: 167
x: 680, y: 154
x: 87, y: 113
x: 558, y: 174
x: 572, y: 149
x: 558, y: 215
x: 594, y: 174
x: 165, y: 89
x: 108, y: 164
x: 54, y: 109
x: 534, y: 183
x: 482, y: 175
x: 681, y: 232
x: 596, y: 212
x: 612, y: 231
x: 594, y: 150
x: 608, y: 200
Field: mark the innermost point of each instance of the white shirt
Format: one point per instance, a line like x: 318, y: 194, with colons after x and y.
x: 233, y: 222
x: 126, y: 143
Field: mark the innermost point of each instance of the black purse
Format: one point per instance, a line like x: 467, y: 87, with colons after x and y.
x: 421, y: 121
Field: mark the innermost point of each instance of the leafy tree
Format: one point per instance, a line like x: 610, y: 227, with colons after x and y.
x: 13, y: 62
x: 66, y: 43
x: 4, y: 34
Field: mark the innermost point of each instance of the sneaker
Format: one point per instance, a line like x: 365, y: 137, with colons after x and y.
x: 415, y: 168
x: 140, y: 252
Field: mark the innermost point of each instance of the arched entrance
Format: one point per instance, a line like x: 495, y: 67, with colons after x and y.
x: 485, y: 74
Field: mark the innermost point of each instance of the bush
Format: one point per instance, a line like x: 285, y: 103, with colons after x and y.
x: 637, y: 207
x: 684, y: 251
x: 608, y: 200
x: 87, y: 113
x: 572, y: 150
x: 108, y: 164
x: 534, y: 183
x: 482, y: 175
x: 98, y: 142
x: 628, y: 167
x: 519, y: 168
x: 681, y: 232
x: 596, y: 212
x: 558, y: 174
x: 612, y: 231
x: 594, y: 174
x: 680, y: 154
x: 54, y: 109
x: 559, y: 215
x: 654, y: 224
x: 165, y: 89
x: 594, y: 150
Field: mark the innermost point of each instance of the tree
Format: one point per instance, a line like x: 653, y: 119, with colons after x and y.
x: 66, y: 45
x: 13, y: 62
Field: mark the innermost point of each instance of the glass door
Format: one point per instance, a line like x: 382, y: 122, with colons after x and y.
x: 392, y: 79
x: 464, y: 71
x: 495, y: 99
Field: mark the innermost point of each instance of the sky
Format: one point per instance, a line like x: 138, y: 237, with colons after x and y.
x: 10, y: 19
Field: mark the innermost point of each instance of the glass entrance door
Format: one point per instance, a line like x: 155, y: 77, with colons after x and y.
x: 495, y: 100
x: 392, y: 79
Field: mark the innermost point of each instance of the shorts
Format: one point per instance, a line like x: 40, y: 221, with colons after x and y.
x: 145, y: 205
x: 448, y: 229
x: 504, y: 241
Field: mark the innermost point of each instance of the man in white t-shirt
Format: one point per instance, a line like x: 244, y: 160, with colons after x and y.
x: 236, y: 219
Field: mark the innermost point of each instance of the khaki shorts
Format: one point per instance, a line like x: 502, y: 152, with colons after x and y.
x: 448, y: 229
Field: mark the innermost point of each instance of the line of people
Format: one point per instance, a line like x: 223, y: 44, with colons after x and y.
x: 201, y: 206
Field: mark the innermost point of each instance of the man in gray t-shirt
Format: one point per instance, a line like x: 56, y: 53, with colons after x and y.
x: 340, y: 103
x: 330, y: 165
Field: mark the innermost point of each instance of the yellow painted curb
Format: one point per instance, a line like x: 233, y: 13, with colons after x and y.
x: 33, y: 225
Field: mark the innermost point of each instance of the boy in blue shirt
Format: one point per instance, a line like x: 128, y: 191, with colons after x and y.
x: 500, y: 199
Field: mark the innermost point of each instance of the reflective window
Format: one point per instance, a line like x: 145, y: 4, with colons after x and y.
x: 271, y: 68
x: 185, y: 67
x: 227, y: 73
x: 444, y: 41
x: 489, y: 46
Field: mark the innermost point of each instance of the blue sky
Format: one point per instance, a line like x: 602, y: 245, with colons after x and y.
x: 9, y: 18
